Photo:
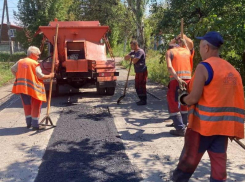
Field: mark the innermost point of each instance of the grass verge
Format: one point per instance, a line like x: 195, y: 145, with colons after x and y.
x: 5, y: 73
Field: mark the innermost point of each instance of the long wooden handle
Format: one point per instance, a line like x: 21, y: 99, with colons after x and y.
x: 240, y: 143
x: 126, y: 84
x: 182, y: 28
x: 52, y: 69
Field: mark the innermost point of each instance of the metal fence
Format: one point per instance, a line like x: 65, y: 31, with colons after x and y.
x: 4, y: 47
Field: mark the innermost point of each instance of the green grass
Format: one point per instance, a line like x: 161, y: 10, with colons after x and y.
x: 5, y: 73
x: 157, y: 72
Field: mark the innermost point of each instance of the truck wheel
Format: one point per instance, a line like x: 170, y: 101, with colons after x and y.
x: 110, y: 90
x: 101, y: 91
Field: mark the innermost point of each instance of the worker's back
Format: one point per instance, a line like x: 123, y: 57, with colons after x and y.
x: 219, y: 111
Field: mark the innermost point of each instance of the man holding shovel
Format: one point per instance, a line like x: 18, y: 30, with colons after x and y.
x: 216, y: 111
x: 180, y: 68
x: 138, y: 59
x: 29, y: 84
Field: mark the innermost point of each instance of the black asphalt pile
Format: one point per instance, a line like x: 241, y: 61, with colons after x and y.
x: 85, y: 147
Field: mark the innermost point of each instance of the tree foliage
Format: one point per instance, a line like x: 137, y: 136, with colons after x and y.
x: 112, y: 13
x: 200, y: 16
x: 138, y: 7
x: 34, y: 13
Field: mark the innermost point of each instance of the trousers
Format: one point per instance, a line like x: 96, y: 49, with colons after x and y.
x: 194, y: 148
x: 140, y: 84
x: 32, y: 109
x: 178, y: 113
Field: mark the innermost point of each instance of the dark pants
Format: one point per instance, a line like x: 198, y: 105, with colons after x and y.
x: 140, y: 85
x: 32, y: 108
x: 195, y: 146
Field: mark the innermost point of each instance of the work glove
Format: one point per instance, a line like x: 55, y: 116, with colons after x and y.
x: 182, y: 84
x: 182, y: 91
x: 132, y: 56
x: 182, y: 94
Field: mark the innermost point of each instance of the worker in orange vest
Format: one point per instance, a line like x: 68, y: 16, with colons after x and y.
x: 29, y: 84
x: 216, y: 111
x: 180, y: 68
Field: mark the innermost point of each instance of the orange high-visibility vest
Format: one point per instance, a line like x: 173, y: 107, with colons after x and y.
x: 181, y: 63
x: 191, y: 59
x: 220, y: 110
x: 27, y: 81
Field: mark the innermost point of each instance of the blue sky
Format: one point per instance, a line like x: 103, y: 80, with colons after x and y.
x: 12, y: 6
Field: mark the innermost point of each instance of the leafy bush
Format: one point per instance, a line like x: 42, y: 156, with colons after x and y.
x: 5, y: 56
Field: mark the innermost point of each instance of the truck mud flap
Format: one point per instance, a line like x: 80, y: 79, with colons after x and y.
x: 106, y: 84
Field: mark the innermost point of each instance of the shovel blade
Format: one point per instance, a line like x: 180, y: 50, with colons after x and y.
x: 120, y: 98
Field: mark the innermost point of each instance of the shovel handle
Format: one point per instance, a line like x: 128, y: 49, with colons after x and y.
x: 126, y: 83
x: 52, y: 69
x: 240, y: 143
x: 182, y: 28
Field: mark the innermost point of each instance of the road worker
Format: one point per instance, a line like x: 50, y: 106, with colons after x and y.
x: 29, y: 84
x: 179, y: 63
x: 140, y: 71
x: 216, y: 111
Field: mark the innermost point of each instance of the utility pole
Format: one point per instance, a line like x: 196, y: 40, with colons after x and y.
x: 2, y: 21
x: 9, y: 33
x: 5, y: 5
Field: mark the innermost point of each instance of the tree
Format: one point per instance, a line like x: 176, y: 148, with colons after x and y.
x: 138, y: 8
x: 34, y: 13
x: 200, y: 16
x: 111, y: 12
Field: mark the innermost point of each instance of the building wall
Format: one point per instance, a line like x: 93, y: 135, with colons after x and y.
x: 4, y: 32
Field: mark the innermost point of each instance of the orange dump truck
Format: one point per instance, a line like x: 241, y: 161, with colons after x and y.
x: 81, y: 55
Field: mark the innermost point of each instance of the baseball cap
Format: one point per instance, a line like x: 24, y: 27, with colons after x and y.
x: 213, y: 38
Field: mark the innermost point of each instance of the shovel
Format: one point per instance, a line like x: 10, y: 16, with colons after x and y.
x: 126, y: 84
x: 240, y: 143
x: 47, y: 117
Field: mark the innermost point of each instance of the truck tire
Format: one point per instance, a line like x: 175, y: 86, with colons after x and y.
x: 101, y: 91
x: 110, y: 90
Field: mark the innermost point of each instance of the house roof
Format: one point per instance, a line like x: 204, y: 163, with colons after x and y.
x: 14, y: 26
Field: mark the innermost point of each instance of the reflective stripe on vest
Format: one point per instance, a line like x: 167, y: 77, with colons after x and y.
x: 30, y: 86
x: 212, y: 118
x: 182, y: 72
x: 182, y: 77
x: 220, y: 109
x: 27, y: 80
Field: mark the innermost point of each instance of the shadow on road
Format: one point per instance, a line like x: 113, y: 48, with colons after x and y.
x: 13, y: 131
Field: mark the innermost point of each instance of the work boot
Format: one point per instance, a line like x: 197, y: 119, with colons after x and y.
x: 141, y: 103
x: 180, y: 132
x: 142, y: 100
x: 40, y: 127
x: 28, y: 122
x: 170, y: 125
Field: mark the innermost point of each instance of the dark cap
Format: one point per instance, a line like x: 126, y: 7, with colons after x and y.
x: 213, y: 38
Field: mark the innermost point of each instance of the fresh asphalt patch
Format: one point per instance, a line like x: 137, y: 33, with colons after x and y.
x: 85, y: 147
